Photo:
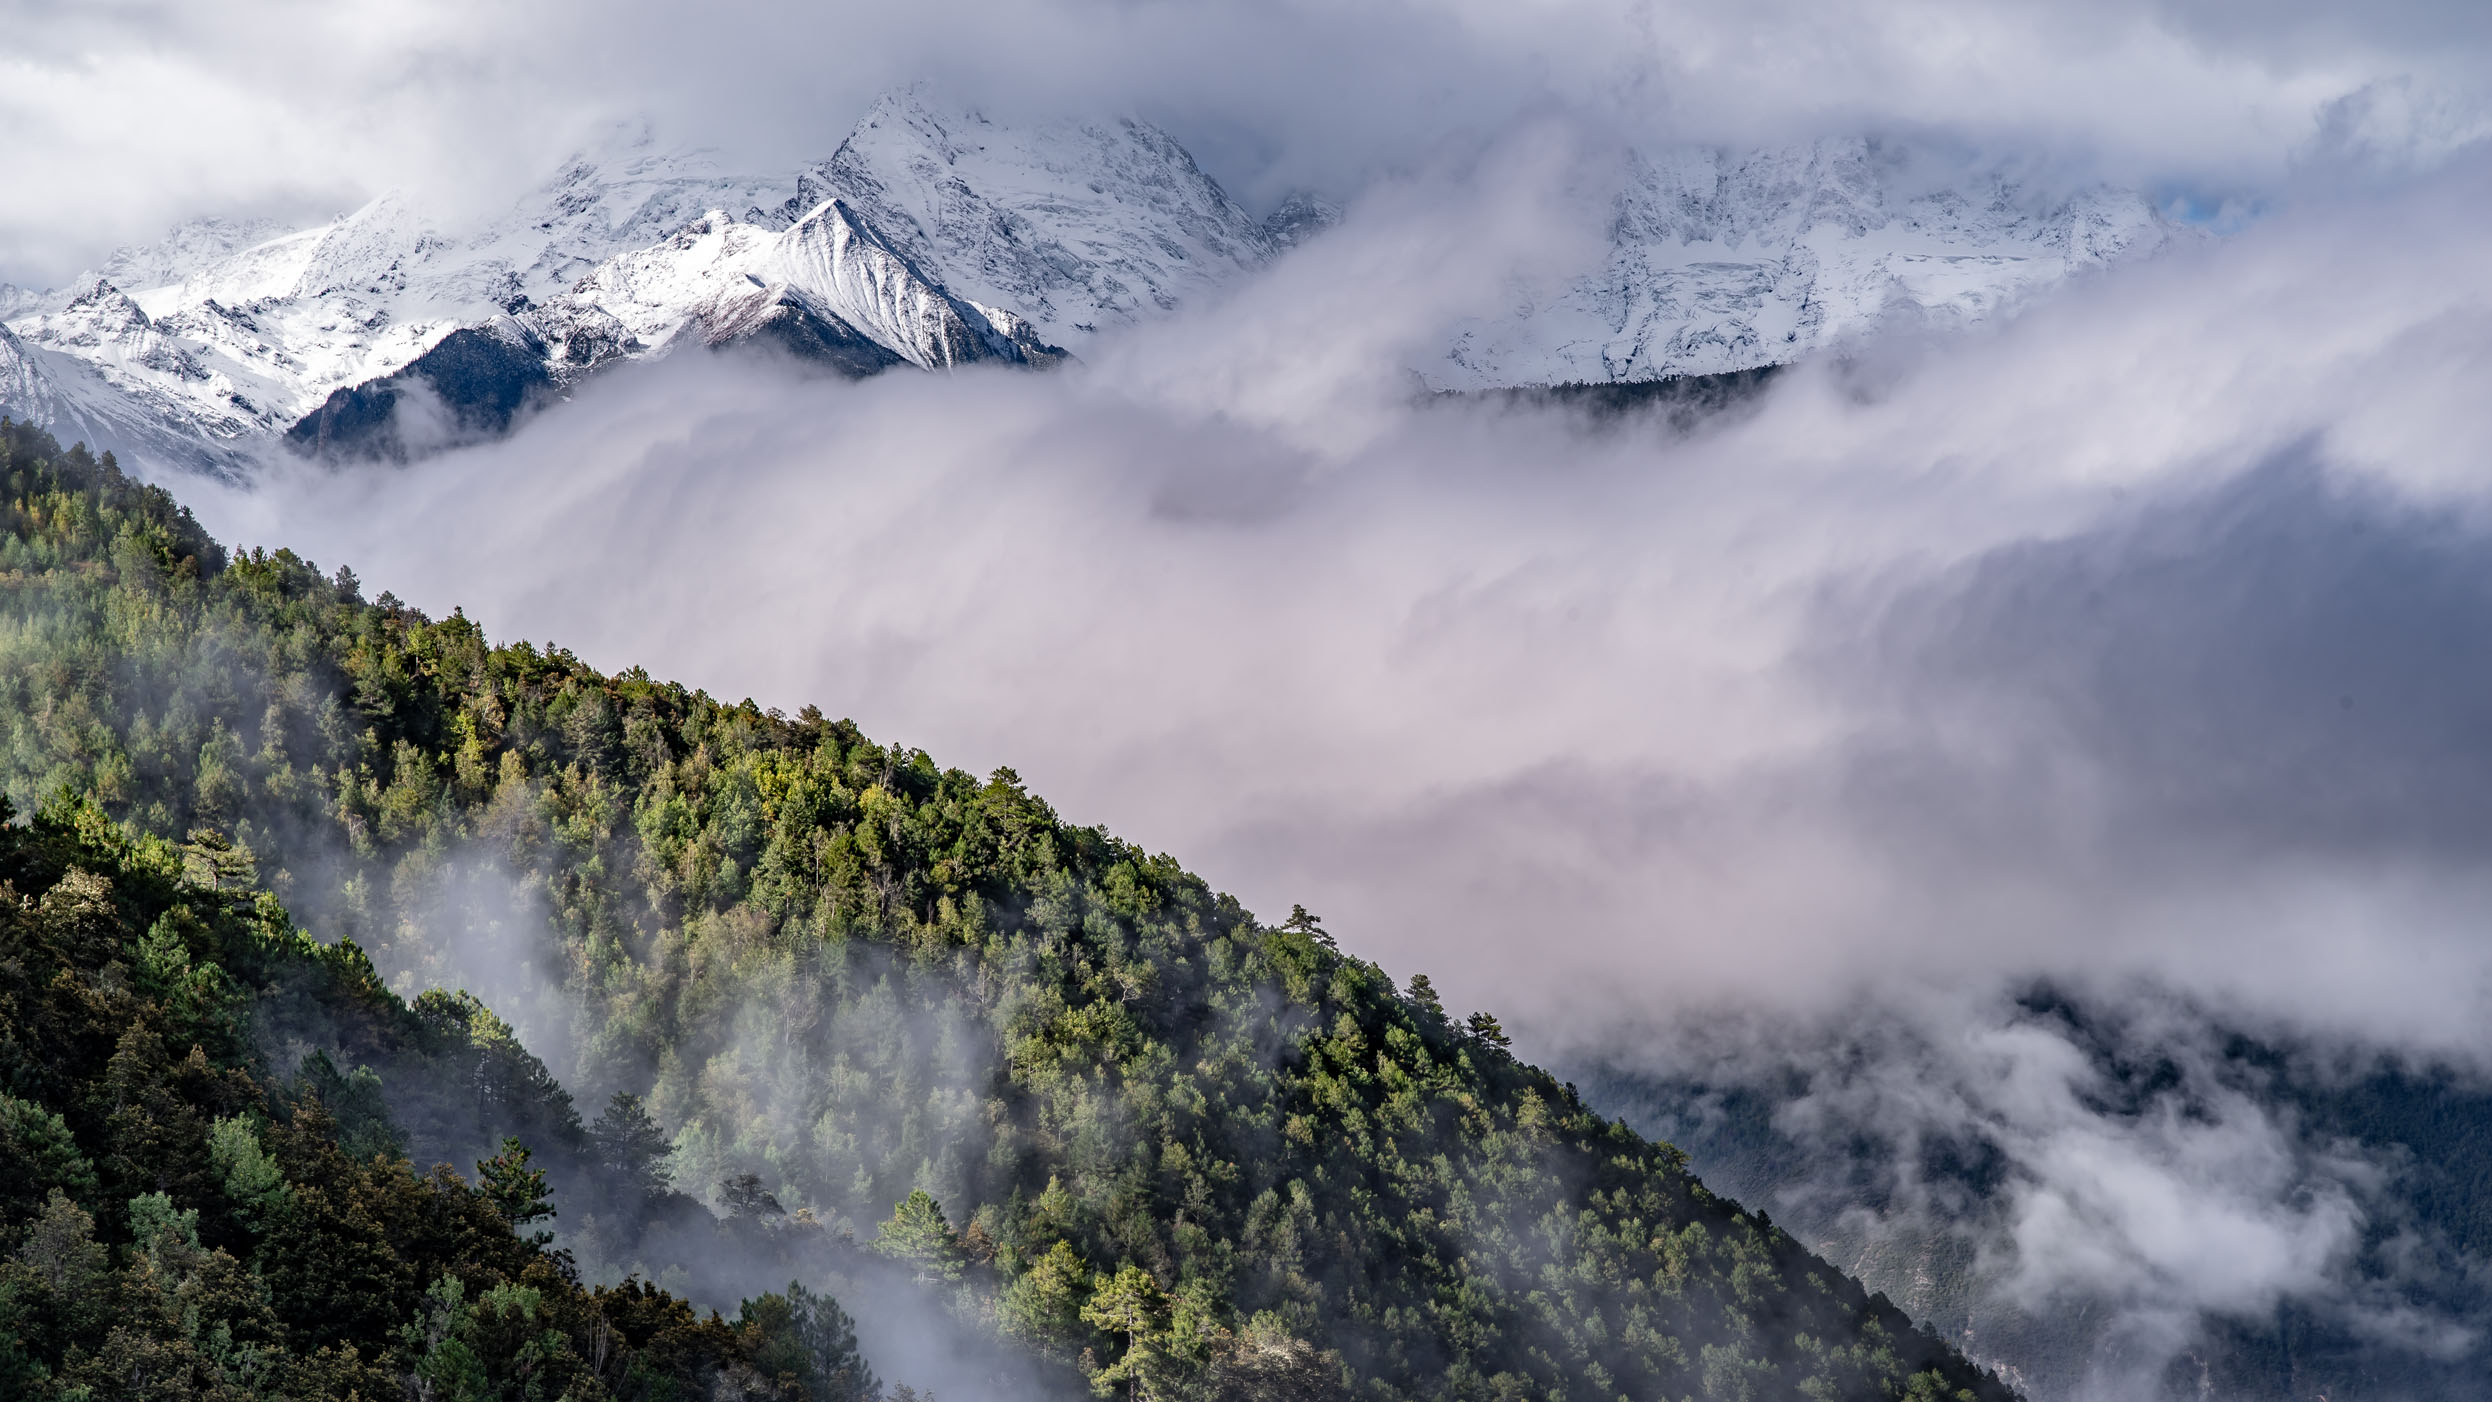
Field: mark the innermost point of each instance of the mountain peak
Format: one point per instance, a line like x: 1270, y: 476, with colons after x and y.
x: 186, y: 250
x: 1079, y: 226
x: 945, y: 237
x: 96, y: 297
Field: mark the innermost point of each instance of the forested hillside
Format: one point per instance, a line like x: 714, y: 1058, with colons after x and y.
x: 180, y: 1223
x: 873, y: 1010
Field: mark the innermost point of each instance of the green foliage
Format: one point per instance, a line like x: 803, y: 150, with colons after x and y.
x: 356, y: 1105
x: 806, y: 1340
x: 178, y: 1218
x: 1207, y: 1154
x: 38, y: 1157
x: 1046, y: 1302
x: 200, y: 1233
x: 1132, y: 1310
x: 918, y: 1234
x: 516, y: 1190
x: 252, y: 1181
x: 631, y: 1149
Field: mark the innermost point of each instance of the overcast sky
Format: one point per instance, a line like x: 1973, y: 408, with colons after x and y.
x: 119, y: 117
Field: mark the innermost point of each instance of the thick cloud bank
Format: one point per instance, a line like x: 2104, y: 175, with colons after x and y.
x: 2140, y: 619
x: 116, y: 120
x: 2131, y: 644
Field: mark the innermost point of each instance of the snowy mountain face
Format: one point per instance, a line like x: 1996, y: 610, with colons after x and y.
x: 222, y: 337
x: 77, y: 400
x: 935, y: 238
x: 1076, y: 228
x: 1722, y: 262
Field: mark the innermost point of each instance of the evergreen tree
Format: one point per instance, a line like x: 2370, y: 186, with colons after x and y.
x: 1131, y: 1306
x: 918, y: 1233
x: 807, y: 1339
x: 516, y: 1190
x: 631, y: 1148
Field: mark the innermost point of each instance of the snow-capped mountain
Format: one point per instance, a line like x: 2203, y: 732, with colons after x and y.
x: 227, y: 334
x: 933, y: 237
x: 828, y: 266
x: 1075, y: 227
x: 72, y: 398
x: 1721, y: 261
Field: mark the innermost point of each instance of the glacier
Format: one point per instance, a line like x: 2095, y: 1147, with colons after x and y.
x: 933, y: 237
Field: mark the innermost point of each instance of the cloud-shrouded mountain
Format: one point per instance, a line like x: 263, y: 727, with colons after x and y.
x: 1725, y: 261
x: 934, y: 237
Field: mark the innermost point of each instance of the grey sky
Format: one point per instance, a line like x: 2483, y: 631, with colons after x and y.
x: 117, y: 119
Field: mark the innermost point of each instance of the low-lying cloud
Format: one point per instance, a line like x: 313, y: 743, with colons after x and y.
x: 2093, y: 1195
x: 2167, y: 574
x: 2122, y: 645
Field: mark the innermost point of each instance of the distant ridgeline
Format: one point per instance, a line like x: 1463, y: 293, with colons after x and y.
x: 900, y: 1032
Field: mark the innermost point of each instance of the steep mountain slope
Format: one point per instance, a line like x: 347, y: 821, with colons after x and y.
x: 827, y: 263
x: 622, y: 252
x: 192, y: 1208
x: 182, y: 1219
x: 1163, y: 1143
x: 226, y: 335
x: 77, y: 399
x: 1075, y: 227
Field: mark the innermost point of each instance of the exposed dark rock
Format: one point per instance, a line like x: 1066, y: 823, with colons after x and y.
x: 1683, y: 400
x: 472, y: 385
x: 783, y: 321
x: 1298, y: 218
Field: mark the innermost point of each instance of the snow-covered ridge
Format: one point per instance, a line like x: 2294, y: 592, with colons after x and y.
x: 933, y: 237
x: 1725, y: 261
x: 1077, y: 227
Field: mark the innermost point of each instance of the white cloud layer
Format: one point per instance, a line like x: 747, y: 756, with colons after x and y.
x: 116, y: 119
x: 2121, y: 637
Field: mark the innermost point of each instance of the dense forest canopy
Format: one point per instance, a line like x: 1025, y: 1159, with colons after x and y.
x: 842, y: 1011
x: 179, y: 1222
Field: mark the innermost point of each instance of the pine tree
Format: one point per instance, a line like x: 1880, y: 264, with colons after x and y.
x: 516, y: 1191
x: 1423, y: 993
x: 1131, y: 1303
x: 631, y: 1148
x: 919, y: 1234
x: 1484, y: 1029
x: 809, y: 1338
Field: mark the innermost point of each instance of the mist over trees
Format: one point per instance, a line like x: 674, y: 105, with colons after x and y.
x: 183, y: 1220
x: 846, y: 1016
